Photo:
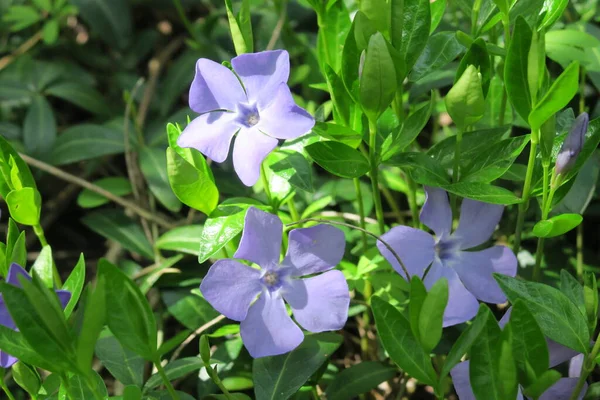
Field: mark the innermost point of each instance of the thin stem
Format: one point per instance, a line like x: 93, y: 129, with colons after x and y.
x: 375, y: 175
x: 412, y: 200
x: 324, y: 221
x: 166, y: 381
x: 582, y: 90
x: 456, y: 167
x: 361, y: 211
x: 580, y: 252
x: 525, y: 197
x: 277, y: 30
x: 265, y: 182
x: 586, y: 369
x: 293, y: 210
x: 366, y: 320
x: 39, y: 232
x: 194, y: 334
x: 97, y: 189
x: 7, y: 391
x: 504, y: 100
x: 539, y: 253
x: 389, y: 198
x: 22, y: 49
x: 184, y: 19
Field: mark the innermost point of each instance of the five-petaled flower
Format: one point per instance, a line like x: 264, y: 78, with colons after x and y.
x: 260, y: 112
x: 558, y: 353
x: 15, y: 270
x: 319, y: 303
x: 469, y: 273
x: 572, y: 145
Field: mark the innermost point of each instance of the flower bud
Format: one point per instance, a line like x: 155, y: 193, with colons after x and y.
x: 572, y: 145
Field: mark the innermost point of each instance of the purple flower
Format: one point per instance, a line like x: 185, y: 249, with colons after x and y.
x: 319, y: 303
x: 15, y: 270
x: 469, y: 273
x: 558, y: 354
x: 572, y: 145
x: 261, y: 111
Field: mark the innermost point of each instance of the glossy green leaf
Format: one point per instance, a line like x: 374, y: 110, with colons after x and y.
x: 81, y: 95
x: 26, y: 377
x: 571, y: 288
x: 184, y: 239
x: 126, y: 366
x: 557, y: 225
x: 79, y: 388
x: 544, y: 382
x: 465, y: 101
x: 334, y: 24
x: 43, y: 266
x: 39, y: 127
x: 153, y: 164
x: 358, y: 379
x: 342, y: 102
x: 558, y: 96
x: 478, y: 56
x: 397, y: 338
x: 529, y: 344
x: 338, y: 133
x: 50, y: 31
x: 378, y: 82
x: 86, y: 141
x: 441, y: 49
x: 115, y: 225
x: 94, y: 317
x: 280, y: 377
x: 14, y: 343
x: 515, y: 69
x: 418, y: 293
x: 559, y: 319
x: 175, y: 370
x: 189, y: 309
x: 553, y: 12
x: 416, y: 25
x: 484, y: 366
x: 422, y: 168
x: 431, y: 317
x: 130, y: 318
x: 293, y: 167
x: 74, y: 284
x: 339, y: 159
x: 437, y: 8
x: 483, y: 192
x: 590, y: 297
x: 241, y: 28
x: 25, y: 206
x: 116, y: 185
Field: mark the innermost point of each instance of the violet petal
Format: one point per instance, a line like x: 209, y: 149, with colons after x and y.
x: 215, y: 87
x: 251, y: 147
x: 210, y: 134
x: 282, y: 118
x: 477, y: 222
x: 436, y: 213
x: 315, y: 249
x: 261, y: 238
x: 415, y: 248
x: 562, y: 390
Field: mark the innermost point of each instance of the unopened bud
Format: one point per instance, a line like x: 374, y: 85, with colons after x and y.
x: 572, y: 145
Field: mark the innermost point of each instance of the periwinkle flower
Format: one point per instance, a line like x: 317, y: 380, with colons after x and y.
x: 253, y: 101
x: 15, y: 270
x: 319, y: 303
x: 469, y: 273
x: 572, y: 145
x: 558, y: 353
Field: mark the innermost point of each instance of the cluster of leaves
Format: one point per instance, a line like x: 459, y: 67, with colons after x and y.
x: 87, y: 88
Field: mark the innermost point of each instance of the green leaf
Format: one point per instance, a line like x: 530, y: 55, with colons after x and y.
x: 466, y: 339
x: 416, y: 24
x: 403, y: 348
x: 14, y: 343
x: 431, y: 317
x: 494, y: 161
x: 79, y: 389
x: 74, y: 284
x: 484, y: 367
x: 116, y: 185
x: 351, y: 59
x: 81, y: 95
x: 571, y: 288
x: 557, y: 316
x: 239, y: 34
x: 508, y: 374
x: 418, y: 293
x: 175, y: 370
x: 190, y: 309
x: 115, y: 225
x: 557, y: 225
x: 280, y: 377
x: 558, y: 96
x: 465, y: 101
x: 441, y: 49
x: 126, y: 366
x: 94, y: 317
x: 403, y: 137
x: 338, y: 133
x: 478, y: 56
x: 43, y: 266
x: 483, y: 192
x: 39, y: 127
x: 153, y: 164
x: 132, y: 393
x: 130, y: 318
x: 27, y: 378
x: 339, y: 159
x: 423, y: 169
x: 515, y: 69
x: 378, y: 80
x: 109, y: 19
x: 223, y: 224
x: 6, y: 154
x: 293, y: 167
x: 378, y: 11
x: 334, y: 24
x: 437, y: 8
x: 590, y: 296
x: 44, y: 5
x: 358, y: 379
x: 553, y: 12
x: 544, y: 382
x: 25, y: 206
x: 21, y: 17
x: 86, y: 141
x: 50, y: 31
x: 529, y: 344
x: 184, y: 239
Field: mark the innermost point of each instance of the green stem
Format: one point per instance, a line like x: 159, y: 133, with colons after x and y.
x: 389, y: 198
x: 456, y: 168
x: 293, y: 210
x: 539, y: 253
x: 580, y: 252
x: 7, y: 391
x: 184, y: 19
x: 375, y: 174
x: 525, y: 197
x: 165, y: 379
x: 265, y: 182
x: 586, y: 369
x: 412, y: 201
x: 366, y: 320
x: 39, y: 232
x: 582, y: 90
x: 504, y: 100
x: 361, y: 211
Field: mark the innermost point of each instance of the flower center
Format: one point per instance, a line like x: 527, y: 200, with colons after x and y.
x: 446, y: 249
x: 247, y: 115
x: 252, y: 119
x: 271, y: 280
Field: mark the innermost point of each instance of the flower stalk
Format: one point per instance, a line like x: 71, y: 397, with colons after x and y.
x: 524, y: 205
x: 375, y: 174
